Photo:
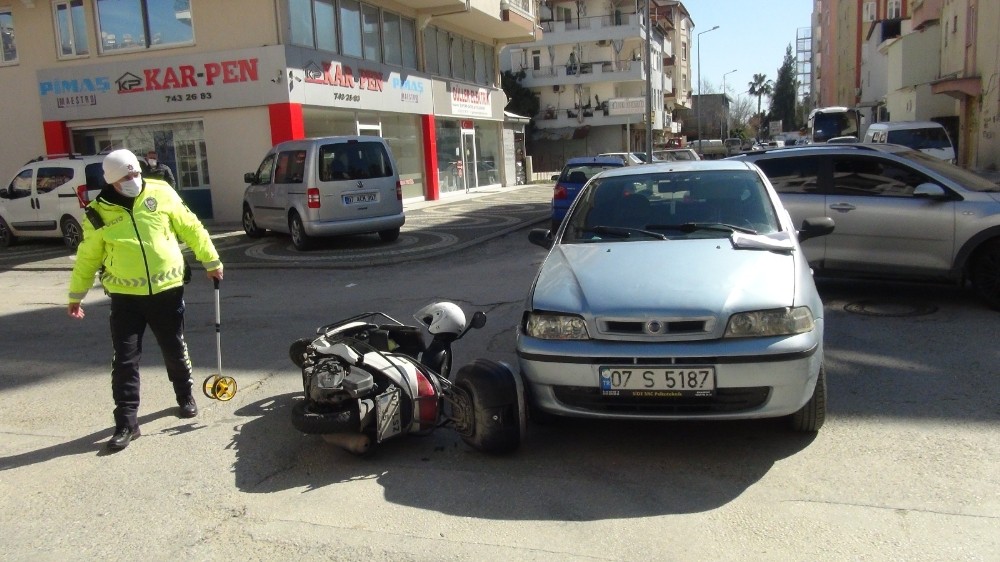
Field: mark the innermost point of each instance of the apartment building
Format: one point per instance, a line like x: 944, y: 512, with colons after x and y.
x: 589, y: 71
x: 211, y: 85
x: 915, y: 60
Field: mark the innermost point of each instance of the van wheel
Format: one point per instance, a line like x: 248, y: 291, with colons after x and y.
x: 389, y: 235
x: 249, y: 225
x: 986, y: 273
x: 300, y: 239
x: 6, y: 236
x: 72, y: 233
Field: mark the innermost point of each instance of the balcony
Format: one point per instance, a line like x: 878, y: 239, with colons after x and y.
x: 585, y: 73
x: 592, y: 28
x: 510, y: 21
x: 592, y: 116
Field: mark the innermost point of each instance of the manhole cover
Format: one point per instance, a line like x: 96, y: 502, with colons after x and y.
x: 891, y: 308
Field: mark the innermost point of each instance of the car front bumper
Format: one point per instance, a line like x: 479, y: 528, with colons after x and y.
x: 754, y: 377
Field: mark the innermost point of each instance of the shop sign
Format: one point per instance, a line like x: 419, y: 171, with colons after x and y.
x: 627, y: 106
x: 161, y: 85
x: 469, y: 100
x: 360, y: 85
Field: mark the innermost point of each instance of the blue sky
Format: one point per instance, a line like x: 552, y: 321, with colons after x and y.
x: 751, y: 39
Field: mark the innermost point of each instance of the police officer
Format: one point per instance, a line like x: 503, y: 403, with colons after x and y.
x: 152, y: 168
x: 131, y: 236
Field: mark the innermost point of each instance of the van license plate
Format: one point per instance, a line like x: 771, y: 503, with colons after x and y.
x: 657, y: 382
x: 356, y: 198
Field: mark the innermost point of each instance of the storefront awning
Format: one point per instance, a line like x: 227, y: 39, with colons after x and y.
x: 561, y: 133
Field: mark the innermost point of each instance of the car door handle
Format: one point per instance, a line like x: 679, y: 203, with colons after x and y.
x: 842, y: 207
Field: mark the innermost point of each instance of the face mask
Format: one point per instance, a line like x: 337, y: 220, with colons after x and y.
x: 131, y: 187
x: 152, y: 161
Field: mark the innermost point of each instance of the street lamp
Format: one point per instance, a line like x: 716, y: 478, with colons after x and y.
x: 725, y: 100
x: 698, y: 37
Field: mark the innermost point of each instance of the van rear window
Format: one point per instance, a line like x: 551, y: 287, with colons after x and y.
x: 354, y: 161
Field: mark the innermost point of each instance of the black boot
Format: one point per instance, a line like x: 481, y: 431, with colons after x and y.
x: 122, y: 437
x: 188, y: 407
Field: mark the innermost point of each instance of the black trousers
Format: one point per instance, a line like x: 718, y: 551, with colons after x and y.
x: 164, y: 314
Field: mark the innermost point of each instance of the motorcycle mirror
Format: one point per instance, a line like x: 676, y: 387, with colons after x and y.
x: 478, y: 319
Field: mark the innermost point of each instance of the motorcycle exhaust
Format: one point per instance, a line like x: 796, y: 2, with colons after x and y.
x: 357, y: 443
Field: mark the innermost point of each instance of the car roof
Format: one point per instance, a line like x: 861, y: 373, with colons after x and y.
x: 823, y: 148
x: 613, y: 160
x: 905, y: 125
x: 678, y: 166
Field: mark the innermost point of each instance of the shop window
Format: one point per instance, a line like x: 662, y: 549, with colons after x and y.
x: 430, y: 49
x: 480, y: 54
x: 393, y: 40
x: 71, y: 29
x: 444, y: 53
x: 408, y: 31
x: 130, y: 25
x: 9, y: 55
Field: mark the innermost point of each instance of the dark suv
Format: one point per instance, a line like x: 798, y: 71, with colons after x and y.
x: 899, y: 213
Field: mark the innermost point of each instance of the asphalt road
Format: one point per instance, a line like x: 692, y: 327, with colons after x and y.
x: 906, y: 468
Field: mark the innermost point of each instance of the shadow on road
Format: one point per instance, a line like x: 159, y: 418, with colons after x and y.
x: 630, y: 469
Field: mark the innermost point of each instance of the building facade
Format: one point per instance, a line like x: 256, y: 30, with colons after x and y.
x: 212, y: 85
x: 589, y: 71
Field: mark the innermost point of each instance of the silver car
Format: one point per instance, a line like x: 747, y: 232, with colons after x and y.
x: 676, y: 291
x: 900, y: 213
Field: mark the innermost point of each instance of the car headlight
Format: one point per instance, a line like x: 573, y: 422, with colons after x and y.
x: 779, y: 322
x: 556, y: 327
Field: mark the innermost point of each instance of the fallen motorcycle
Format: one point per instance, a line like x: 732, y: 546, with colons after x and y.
x: 370, y: 378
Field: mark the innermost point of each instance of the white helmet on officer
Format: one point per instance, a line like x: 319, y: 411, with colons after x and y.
x: 442, y: 318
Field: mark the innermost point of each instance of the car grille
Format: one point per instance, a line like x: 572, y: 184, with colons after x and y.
x: 656, y: 328
x: 725, y: 400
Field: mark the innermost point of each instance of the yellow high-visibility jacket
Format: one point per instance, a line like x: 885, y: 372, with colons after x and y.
x: 138, y: 247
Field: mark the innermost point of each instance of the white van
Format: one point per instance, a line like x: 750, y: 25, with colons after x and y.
x: 46, y: 197
x: 325, y: 186
x: 926, y: 136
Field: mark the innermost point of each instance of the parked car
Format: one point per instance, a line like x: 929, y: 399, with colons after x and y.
x: 325, y: 186
x: 675, y: 155
x: 630, y: 158
x: 900, y: 213
x: 676, y: 291
x: 928, y: 137
x: 46, y: 197
x: 575, y: 174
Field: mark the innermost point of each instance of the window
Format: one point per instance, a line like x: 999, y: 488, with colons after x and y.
x: 480, y: 55
x: 325, y: 15
x: 71, y: 29
x: 353, y: 161
x: 444, y: 53
x: 9, y: 55
x: 350, y: 27
x: 20, y: 186
x: 894, y: 9
x: 130, y: 25
x: 50, y: 178
x: 792, y: 175
x: 370, y: 33
x: 874, y: 177
x: 408, y: 30
x: 393, y: 41
x: 430, y: 49
x: 301, y: 22
x: 868, y: 12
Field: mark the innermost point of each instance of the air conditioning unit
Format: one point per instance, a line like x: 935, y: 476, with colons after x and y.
x: 603, y: 43
x: 556, y: 88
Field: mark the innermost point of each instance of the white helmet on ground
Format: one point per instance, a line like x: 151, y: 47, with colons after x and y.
x: 442, y: 318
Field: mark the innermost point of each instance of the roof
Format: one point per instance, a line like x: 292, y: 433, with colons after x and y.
x: 595, y: 160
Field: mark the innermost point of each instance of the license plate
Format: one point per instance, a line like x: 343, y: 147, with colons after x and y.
x: 387, y: 414
x: 671, y: 381
x: 356, y: 198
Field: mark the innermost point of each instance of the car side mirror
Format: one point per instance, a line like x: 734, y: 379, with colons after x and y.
x: 815, y: 227
x: 541, y: 237
x: 555, y: 177
x: 250, y: 177
x: 930, y: 190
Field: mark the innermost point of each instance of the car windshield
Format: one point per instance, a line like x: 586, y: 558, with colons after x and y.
x: 672, y: 205
x: 963, y: 177
x: 583, y: 172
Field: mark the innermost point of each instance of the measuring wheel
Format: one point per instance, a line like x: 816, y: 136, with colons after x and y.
x: 224, y: 388
x: 208, y: 387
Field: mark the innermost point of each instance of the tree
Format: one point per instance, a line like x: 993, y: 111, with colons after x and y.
x: 760, y: 86
x: 785, y: 94
x: 520, y: 100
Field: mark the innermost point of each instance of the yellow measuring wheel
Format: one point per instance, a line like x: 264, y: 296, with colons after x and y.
x: 218, y: 387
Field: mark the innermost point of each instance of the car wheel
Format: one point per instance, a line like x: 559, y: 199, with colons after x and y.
x: 249, y: 225
x: 986, y: 273
x: 309, y: 417
x: 300, y: 239
x: 72, y: 233
x: 811, y: 417
x: 494, y: 418
x: 6, y: 236
x: 389, y: 235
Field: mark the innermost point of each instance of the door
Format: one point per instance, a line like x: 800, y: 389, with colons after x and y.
x: 880, y: 226
x: 374, y: 130
x: 468, y: 170
x: 797, y: 181
x: 260, y: 195
x: 18, y: 201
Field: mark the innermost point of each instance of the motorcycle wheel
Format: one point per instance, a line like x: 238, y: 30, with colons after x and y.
x: 297, y: 350
x: 313, y: 420
x: 492, y: 391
